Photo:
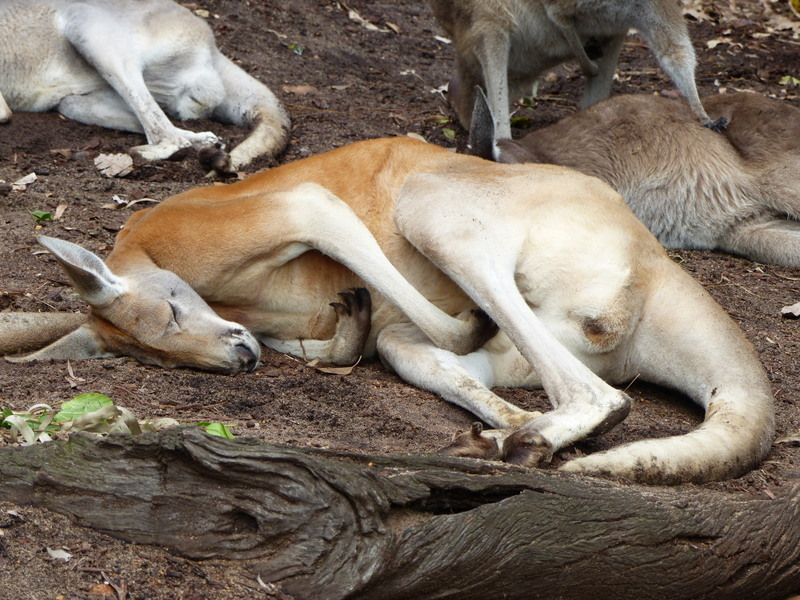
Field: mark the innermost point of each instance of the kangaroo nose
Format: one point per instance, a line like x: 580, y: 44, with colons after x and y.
x: 248, y: 357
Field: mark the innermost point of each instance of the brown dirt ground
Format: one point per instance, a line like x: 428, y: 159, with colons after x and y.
x: 365, y: 84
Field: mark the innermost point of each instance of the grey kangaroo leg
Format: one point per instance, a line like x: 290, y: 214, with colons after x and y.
x: 673, y: 49
x: 566, y: 23
x: 492, y: 52
x: 598, y: 87
x: 92, y: 37
x: 774, y: 241
x: 104, y: 108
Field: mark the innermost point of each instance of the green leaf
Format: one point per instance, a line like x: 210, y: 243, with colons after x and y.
x: 450, y: 134
x: 297, y: 49
x: 81, y: 405
x: 218, y: 429
x: 40, y: 215
x: 789, y: 80
x: 521, y: 122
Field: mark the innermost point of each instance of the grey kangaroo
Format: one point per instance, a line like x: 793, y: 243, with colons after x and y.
x: 737, y: 192
x: 504, y: 45
x: 122, y: 65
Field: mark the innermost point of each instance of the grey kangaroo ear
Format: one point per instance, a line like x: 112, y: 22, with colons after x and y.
x: 91, y: 277
x: 78, y: 345
x: 481, y: 129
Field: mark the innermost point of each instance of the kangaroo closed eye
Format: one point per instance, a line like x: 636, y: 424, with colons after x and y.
x: 176, y: 313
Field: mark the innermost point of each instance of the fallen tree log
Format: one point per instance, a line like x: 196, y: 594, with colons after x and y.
x: 332, y: 525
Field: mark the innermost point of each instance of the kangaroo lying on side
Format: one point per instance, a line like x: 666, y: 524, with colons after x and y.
x: 577, y: 285
x: 117, y: 64
x: 505, y: 45
x: 737, y: 192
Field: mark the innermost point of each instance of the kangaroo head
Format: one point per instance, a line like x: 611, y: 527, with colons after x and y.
x: 147, y: 313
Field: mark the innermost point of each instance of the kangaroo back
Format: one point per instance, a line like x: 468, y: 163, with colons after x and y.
x: 692, y: 187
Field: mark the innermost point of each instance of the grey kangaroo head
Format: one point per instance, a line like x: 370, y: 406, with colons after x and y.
x: 147, y: 313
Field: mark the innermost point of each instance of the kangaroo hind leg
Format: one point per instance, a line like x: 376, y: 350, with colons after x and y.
x: 462, y: 380
x: 770, y: 240
x: 5, y: 111
x: 486, y: 230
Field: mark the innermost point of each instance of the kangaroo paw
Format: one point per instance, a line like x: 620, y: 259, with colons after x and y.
x: 355, y: 321
x: 528, y: 449
x: 214, y: 158
x: 483, y: 329
x: 718, y: 125
x: 472, y: 444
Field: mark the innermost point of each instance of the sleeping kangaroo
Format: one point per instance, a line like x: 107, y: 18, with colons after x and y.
x: 737, y: 191
x: 121, y: 64
x: 580, y: 291
x: 504, y: 46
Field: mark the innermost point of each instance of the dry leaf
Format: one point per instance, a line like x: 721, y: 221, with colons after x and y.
x: 59, y: 554
x: 354, y: 16
x: 20, y: 185
x: 114, y: 165
x: 93, y: 143
x: 332, y: 370
x: 696, y: 10
x: 336, y: 370
x: 72, y: 379
x: 59, y: 212
x: 129, y: 204
x: 792, y: 312
x: 791, y: 438
x: 101, y: 590
x: 393, y: 27
x: 416, y: 136
x: 300, y: 90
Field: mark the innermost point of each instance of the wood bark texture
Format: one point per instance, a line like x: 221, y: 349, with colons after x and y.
x: 329, y: 525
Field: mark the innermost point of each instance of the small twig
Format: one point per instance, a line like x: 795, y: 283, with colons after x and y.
x: 198, y: 405
x: 632, y: 381
x: 785, y: 277
x: 120, y: 587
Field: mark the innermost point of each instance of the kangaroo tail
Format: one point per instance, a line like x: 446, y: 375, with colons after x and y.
x: 735, y: 436
x: 23, y: 332
x: 687, y: 342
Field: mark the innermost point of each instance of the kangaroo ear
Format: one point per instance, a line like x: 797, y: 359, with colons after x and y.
x: 481, y: 129
x: 81, y: 343
x: 91, y: 277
